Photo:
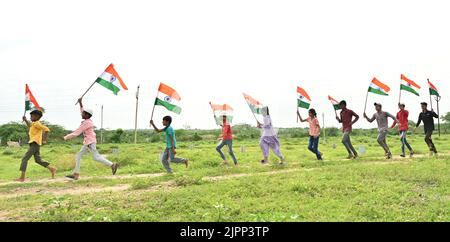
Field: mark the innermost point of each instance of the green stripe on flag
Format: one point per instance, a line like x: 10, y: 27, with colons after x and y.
x: 302, y: 104
x: 167, y: 105
x: 255, y: 109
x: 409, y: 89
x: 108, y: 85
x: 377, y: 91
x: 336, y: 106
x: 27, y: 106
x: 219, y: 119
x: 434, y: 92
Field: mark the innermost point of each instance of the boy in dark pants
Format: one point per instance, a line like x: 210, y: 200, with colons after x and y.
x: 428, y: 124
x: 38, y: 136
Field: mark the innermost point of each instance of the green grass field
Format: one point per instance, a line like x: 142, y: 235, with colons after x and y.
x: 369, y: 188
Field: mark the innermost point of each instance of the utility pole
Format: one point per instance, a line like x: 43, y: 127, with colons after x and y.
x: 101, y: 128
x: 136, y: 115
x: 323, y: 124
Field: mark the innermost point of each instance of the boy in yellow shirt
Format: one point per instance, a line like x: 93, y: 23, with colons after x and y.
x: 38, y: 136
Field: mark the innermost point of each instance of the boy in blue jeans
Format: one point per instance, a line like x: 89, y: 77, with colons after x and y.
x: 171, y: 144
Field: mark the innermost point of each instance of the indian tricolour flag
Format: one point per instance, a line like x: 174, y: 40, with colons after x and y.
x: 168, y: 98
x: 221, y: 110
x: 303, y: 99
x: 254, y: 105
x: 409, y: 85
x: 335, y: 103
x: 30, y: 101
x: 378, y: 87
x: 111, y: 80
x: 433, y: 89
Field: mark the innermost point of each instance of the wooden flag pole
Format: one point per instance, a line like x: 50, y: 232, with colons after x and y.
x: 136, y: 115
x: 153, y: 110
x: 324, y: 132
x: 101, y: 128
x: 400, y: 95
x: 438, y: 98
x: 87, y: 91
x: 365, y: 105
x: 431, y: 101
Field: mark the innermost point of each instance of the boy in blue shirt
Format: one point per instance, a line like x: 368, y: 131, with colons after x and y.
x: 171, y: 144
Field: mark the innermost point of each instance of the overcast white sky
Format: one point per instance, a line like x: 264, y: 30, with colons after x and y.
x: 214, y: 50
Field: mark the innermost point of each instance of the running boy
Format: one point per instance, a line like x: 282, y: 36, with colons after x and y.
x: 38, y: 136
x: 89, y: 143
x: 227, y: 139
x: 428, y: 125
x: 403, y: 126
x: 171, y: 144
x: 346, y: 118
x: 382, y: 121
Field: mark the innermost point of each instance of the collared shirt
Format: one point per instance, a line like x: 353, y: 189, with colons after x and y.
x: 35, y: 132
x: 87, y: 129
x: 402, y: 117
x: 227, y: 133
x: 314, y: 126
x: 346, y: 120
x: 428, y: 120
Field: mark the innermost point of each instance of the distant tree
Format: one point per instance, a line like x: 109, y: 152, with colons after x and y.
x: 13, y: 132
x: 117, y: 136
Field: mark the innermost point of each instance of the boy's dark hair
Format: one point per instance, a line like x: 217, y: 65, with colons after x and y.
x: 343, y: 102
x: 36, y: 112
x: 88, y: 114
x: 313, y: 111
x: 424, y: 103
x: 168, y: 119
x: 267, y: 109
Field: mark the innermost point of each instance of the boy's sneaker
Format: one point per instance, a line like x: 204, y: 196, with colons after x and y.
x: 411, y: 154
x: 350, y: 157
x: 403, y: 155
x: 389, y: 156
x: 114, y: 168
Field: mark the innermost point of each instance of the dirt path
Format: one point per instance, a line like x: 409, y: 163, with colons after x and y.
x: 63, y: 179
x: 18, y: 192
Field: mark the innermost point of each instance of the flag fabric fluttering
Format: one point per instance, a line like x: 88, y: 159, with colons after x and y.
x: 378, y: 87
x: 433, y: 89
x: 221, y: 110
x: 30, y: 101
x: 409, y: 85
x: 334, y: 102
x: 111, y: 80
x: 303, y: 99
x: 168, y: 98
x: 254, y: 105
